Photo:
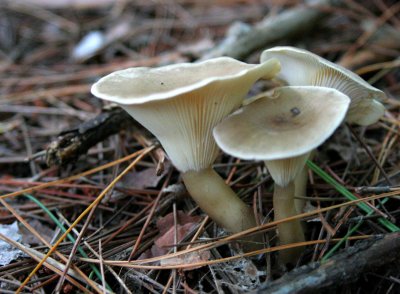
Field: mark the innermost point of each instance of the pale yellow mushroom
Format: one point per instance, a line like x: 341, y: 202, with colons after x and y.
x: 180, y: 104
x: 282, y: 130
x: 303, y: 68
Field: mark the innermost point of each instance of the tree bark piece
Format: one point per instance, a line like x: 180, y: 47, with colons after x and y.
x: 343, y: 268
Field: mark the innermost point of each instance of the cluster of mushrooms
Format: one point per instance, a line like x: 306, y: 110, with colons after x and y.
x: 192, y: 108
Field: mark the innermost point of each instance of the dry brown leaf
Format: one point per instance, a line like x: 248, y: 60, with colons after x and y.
x: 146, y: 178
x: 45, y: 231
x: 166, y: 225
x: 165, y: 242
x: 166, y: 222
x: 192, y: 257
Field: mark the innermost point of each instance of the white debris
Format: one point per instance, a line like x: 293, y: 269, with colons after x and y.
x: 89, y: 45
x: 175, y: 188
x: 9, y: 253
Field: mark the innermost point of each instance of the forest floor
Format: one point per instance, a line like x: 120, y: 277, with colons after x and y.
x: 114, y: 214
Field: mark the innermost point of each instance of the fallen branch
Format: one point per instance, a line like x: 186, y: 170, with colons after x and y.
x: 343, y: 268
x: 287, y: 24
x: 75, y: 142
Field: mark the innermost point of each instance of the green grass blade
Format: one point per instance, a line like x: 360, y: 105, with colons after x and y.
x: 342, y: 190
x: 63, y: 229
x: 338, y: 244
x: 349, y: 233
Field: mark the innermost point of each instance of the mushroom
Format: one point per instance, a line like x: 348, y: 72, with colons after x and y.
x: 282, y: 130
x: 180, y: 104
x: 303, y: 68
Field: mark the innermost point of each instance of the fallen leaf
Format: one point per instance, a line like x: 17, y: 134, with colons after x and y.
x: 166, y: 222
x: 192, y: 257
x: 185, y: 224
x: 43, y: 230
x: 165, y: 241
x: 146, y: 178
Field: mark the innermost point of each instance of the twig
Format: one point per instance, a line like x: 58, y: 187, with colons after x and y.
x: 345, y: 267
x: 286, y: 24
x: 361, y: 141
x: 102, y: 266
x: 73, y: 143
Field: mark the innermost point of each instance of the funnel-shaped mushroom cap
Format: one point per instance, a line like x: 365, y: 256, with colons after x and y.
x: 292, y: 122
x: 180, y: 104
x: 303, y: 68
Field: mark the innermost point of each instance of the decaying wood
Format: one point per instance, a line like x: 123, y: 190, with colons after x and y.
x: 342, y: 269
x: 75, y: 142
x: 287, y: 24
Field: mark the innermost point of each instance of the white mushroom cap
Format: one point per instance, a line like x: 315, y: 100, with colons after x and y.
x: 288, y: 125
x: 303, y: 68
x: 180, y: 104
x: 292, y: 122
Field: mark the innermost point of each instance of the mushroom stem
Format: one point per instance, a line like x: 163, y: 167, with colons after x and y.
x: 218, y: 200
x: 292, y: 231
x: 300, y: 184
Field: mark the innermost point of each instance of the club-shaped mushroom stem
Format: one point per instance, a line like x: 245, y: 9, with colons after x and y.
x: 180, y: 104
x: 218, y: 200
